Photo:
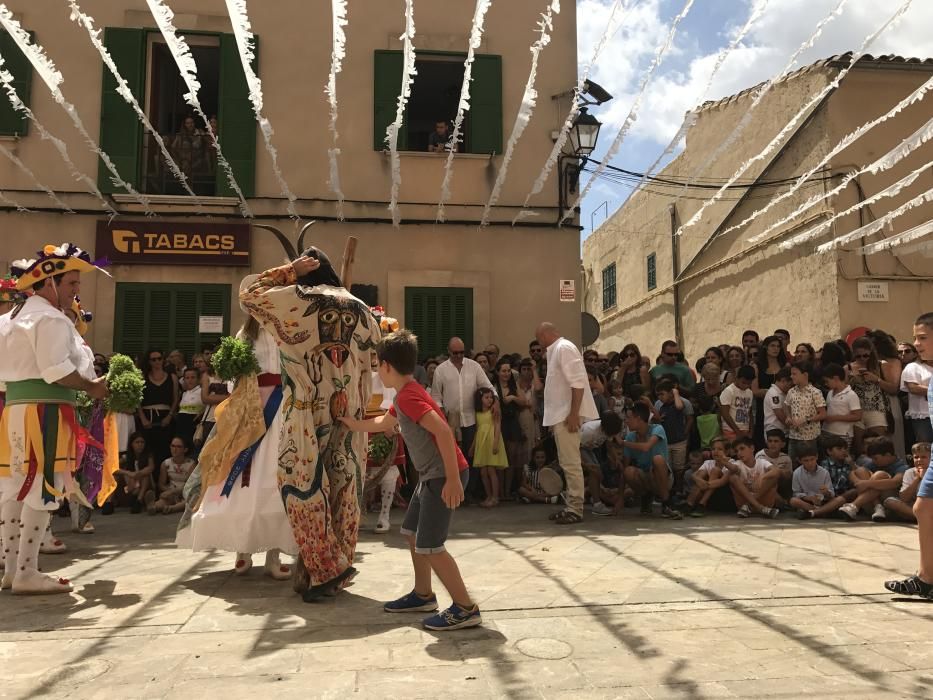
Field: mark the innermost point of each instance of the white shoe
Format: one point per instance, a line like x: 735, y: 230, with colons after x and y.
x: 275, y: 569
x: 382, y: 527
x: 6, y: 583
x: 600, y: 508
x: 849, y: 510
x: 51, y: 544
x: 244, y: 562
x: 879, y: 515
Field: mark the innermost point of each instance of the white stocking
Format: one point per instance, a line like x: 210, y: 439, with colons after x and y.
x: 10, y: 514
x: 388, y: 483
x: 34, y: 524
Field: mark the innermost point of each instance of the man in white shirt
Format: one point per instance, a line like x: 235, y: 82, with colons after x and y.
x: 915, y: 380
x: 774, y: 401
x: 568, y: 402
x: 454, y: 388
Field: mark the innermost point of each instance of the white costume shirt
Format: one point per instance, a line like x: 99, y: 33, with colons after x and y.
x: 42, y: 343
x: 454, y: 390
x: 566, y: 371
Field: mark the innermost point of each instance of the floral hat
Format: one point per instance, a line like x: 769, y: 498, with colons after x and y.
x: 52, y: 261
x: 387, y: 324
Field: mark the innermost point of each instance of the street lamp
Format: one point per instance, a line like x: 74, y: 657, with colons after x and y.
x: 584, y: 133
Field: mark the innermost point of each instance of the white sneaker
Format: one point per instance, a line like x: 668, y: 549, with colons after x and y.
x: 600, y: 508
x: 744, y: 512
x: 381, y: 527
x: 879, y: 515
x: 849, y: 510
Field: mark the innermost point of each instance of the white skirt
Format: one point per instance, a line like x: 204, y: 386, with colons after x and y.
x: 253, y: 518
x: 126, y: 426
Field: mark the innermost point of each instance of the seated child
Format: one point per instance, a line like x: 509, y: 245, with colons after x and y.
x: 595, y: 436
x: 677, y: 418
x: 695, y: 460
x: 173, y: 475
x: 902, y: 505
x: 528, y: 490
x: 136, y: 468
x: 814, y: 496
x: 646, y: 462
x: 753, y: 481
x: 840, y: 466
x: 707, y: 478
x: 774, y: 453
x: 877, y: 481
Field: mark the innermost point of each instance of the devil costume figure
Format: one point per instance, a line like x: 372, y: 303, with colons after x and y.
x: 326, y: 337
x: 45, y: 362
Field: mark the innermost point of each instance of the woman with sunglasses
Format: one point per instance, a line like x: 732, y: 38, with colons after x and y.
x: 891, y: 370
x: 865, y: 380
x: 631, y: 369
x: 907, y: 353
x: 159, y: 406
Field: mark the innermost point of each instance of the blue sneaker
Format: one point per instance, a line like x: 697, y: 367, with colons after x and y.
x: 411, y: 602
x: 453, y: 618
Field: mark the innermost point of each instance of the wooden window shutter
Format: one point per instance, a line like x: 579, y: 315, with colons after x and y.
x: 185, y: 330
x: 652, y: 271
x: 236, y: 120
x: 436, y: 314
x: 13, y: 123
x: 130, y: 328
x: 121, y: 133
x: 486, y: 105
x: 387, y: 84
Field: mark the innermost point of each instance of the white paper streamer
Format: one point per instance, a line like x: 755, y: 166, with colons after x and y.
x: 338, y: 53
x: 123, y: 89
x: 851, y: 138
x: 476, y: 38
x: 791, y: 125
x: 188, y: 69
x: 525, y: 110
x: 558, y: 147
x: 7, y: 201
x: 633, y: 112
x: 14, y: 159
x: 885, y: 162
x: 907, y: 236
x: 7, y: 79
x: 408, y: 74
x: 245, y: 41
x: 690, y: 119
x: 889, y: 191
x: 53, y: 79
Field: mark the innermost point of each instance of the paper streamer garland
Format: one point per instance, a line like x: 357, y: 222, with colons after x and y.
x: 525, y: 110
x: 338, y: 53
x: 408, y: 73
x: 789, y: 127
x: 188, y: 69
x: 476, y: 38
x: 245, y: 41
x: 633, y: 112
x: 53, y: 79
x: 123, y: 89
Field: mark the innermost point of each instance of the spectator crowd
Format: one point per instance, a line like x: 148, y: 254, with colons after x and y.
x: 756, y: 428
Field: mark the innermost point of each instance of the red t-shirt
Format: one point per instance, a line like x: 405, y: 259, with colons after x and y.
x: 415, y: 403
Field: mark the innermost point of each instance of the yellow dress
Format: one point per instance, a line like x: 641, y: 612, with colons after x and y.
x: 482, y: 453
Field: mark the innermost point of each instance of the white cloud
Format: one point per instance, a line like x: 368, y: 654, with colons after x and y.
x: 763, y: 53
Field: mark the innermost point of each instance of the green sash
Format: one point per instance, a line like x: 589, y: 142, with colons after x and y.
x: 38, y: 391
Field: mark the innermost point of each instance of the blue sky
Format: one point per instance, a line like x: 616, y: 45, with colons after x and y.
x: 680, y: 81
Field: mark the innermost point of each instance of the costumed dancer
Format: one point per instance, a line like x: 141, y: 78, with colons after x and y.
x: 91, y: 454
x: 45, y: 363
x: 386, y: 451
x: 326, y: 337
x: 241, y: 510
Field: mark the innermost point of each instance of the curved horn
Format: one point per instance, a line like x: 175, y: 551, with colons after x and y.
x: 283, y: 239
x: 301, y: 235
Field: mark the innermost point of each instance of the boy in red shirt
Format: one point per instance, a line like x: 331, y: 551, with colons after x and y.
x: 443, y: 474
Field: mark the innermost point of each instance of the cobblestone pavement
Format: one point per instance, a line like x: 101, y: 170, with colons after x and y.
x: 625, y: 608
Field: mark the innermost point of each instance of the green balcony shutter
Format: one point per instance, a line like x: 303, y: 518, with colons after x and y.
x: 13, y: 123
x: 486, y: 105
x: 186, y: 322
x: 436, y: 314
x: 387, y: 84
x: 237, y: 122
x: 130, y: 322
x: 121, y: 134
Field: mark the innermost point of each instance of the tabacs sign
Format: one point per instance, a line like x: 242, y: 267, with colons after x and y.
x: 173, y: 243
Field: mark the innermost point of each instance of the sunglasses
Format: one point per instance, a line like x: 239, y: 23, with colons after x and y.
x: 862, y: 355
x: 627, y: 355
x: 907, y: 351
x: 155, y: 359
x: 456, y: 352
x: 670, y: 354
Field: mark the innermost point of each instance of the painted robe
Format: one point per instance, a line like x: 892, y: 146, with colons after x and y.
x: 327, y: 338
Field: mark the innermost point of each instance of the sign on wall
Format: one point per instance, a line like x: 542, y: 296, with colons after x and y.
x: 873, y: 291
x: 172, y: 243
x: 568, y: 290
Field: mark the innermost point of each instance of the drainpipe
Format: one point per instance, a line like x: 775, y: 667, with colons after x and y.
x: 675, y: 264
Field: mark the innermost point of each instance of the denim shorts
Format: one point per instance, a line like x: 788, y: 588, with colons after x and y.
x: 428, y: 517
x: 926, y: 486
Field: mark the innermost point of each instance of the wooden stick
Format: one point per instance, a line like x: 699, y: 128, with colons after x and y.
x: 349, y: 256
